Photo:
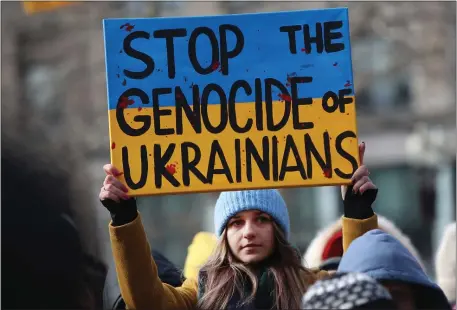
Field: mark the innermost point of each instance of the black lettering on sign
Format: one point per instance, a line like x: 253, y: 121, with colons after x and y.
x: 223, y: 108
x: 296, y: 102
x: 329, y: 36
x: 192, y: 50
x: 231, y: 106
x: 311, y: 151
x: 317, y: 39
x: 342, y: 100
x: 193, y: 114
x: 325, y: 102
x: 159, y: 165
x: 238, y: 160
x: 225, y: 53
x: 217, y: 150
x: 120, y: 117
x: 339, y: 148
x: 129, y: 50
x: 169, y: 35
x: 275, y: 158
x: 291, y: 30
x: 258, y: 104
x: 290, y: 146
x: 269, y: 82
x: 262, y: 163
x: 158, y: 112
x: 191, y: 165
x: 144, y: 168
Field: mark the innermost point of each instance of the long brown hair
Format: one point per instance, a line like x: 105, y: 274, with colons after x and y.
x: 225, y: 274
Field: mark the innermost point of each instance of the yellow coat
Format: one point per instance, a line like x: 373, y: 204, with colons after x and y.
x: 139, y: 282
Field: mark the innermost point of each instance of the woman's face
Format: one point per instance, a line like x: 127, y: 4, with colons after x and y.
x: 250, y: 236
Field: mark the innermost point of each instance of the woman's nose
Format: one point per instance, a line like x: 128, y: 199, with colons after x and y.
x: 249, y: 230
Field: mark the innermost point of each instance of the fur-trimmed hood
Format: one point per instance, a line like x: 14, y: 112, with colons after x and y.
x: 445, y: 263
x: 313, y: 255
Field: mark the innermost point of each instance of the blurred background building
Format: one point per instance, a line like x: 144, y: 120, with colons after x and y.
x: 54, y: 98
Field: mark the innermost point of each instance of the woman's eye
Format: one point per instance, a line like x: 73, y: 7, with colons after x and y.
x: 236, y: 223
x: 263, y: 219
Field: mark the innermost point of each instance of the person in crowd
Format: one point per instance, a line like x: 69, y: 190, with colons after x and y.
x: 445, y: 263
x: 43, y: 262
x: 326, y: 249
x: 253, y: 265
x: 387, y: 260
x: 199, y: 251
x: 348, y: 291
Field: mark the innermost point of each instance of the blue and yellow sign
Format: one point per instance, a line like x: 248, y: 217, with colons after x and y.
x: 231, y: 102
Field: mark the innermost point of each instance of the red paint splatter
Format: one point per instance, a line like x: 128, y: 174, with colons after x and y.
x: 171, y: 168
x: 285, y: 97
x: 124, y: 82
x: 113, y: 146
x: 124, y: 102
x: 305, y: 50
x: 348, y: 83
x: 335, y: 64
x: 215, y: 65
x: 327, y: 173
x: 140, y: 108
x: 127, y: 27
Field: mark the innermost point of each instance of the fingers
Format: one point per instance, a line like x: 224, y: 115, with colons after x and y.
x: 105, y: 195
x: 359, y: 183
x: 110, y: 180
x: 113, y: 189
x: 116, y: 191
x: 361, y: 180
x: 361, y: 152
x: 111, y: 170
x: 368, y: 185
x: 359, y: 173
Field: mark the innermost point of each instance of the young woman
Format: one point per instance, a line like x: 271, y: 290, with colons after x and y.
x: 253, y: 266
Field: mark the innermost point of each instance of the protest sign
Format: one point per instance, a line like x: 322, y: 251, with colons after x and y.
x: 231, y: 102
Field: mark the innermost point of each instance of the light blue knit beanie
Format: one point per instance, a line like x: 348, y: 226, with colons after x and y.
x: 269, y: 201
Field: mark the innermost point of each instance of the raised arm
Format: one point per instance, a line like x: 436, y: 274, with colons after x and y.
x: 140, y: 285
x: 359, y: 217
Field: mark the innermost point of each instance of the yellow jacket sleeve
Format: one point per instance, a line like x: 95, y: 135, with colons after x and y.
x: 137, y: 274
x: 353, y: 228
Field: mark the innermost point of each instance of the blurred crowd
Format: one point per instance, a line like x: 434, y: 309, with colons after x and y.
x: 53, y: 238
x: 45, y: 265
